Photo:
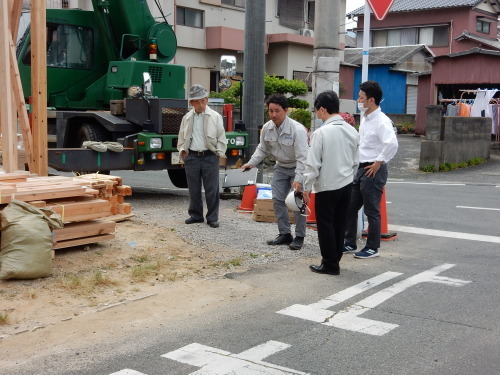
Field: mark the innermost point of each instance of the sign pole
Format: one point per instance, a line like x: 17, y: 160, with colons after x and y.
x: 366, y: 43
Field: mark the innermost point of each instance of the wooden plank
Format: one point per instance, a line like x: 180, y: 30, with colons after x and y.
x: 84, y: 229
x: 124, y: 208
x: 83, y: 241
x: 39, y: 86
x: 7, y: 121
x: 18, y: 175
x: 119, y: 218
x: 18, y: 95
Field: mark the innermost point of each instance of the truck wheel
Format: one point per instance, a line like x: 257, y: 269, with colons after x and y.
x: 91, y: 132
x: 178, y: 177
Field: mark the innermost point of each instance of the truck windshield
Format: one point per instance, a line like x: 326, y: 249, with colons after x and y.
x: 67, y: 47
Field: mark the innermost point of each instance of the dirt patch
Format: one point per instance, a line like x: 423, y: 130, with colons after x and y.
x: 138, y: 263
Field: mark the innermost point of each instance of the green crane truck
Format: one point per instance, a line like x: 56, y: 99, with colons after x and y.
x: 109, y: 79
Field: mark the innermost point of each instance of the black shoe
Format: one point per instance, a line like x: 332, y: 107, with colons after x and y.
x: 281, y: 239
x: 213, y: 224
x: 297, y: 243
x: 193, y: 221
x: 323, y: 269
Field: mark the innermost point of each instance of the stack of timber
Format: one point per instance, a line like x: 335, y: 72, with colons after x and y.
x: 89, y: 205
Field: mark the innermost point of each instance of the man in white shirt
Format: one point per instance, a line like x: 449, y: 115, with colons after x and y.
x: 332, y: 161
x: 378, y: 145
x: 202, y: 141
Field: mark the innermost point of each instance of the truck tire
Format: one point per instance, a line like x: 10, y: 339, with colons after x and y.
x: 178, y: 177
x: 91, y: 132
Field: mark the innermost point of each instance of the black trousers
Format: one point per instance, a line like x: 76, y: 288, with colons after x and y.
x: 367, y: 193
x: 331, y: 209
x: 203, y: 169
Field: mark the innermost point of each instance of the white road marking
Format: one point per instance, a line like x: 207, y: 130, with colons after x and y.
x: 219, y: 362
x: 424, y: 183
x: 442, y: 233
x: 127, y: 372
x: 480, y: 208
x: 349, y: 318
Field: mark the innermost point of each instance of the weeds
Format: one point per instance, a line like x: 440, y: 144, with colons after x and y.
x: 4, y: 318
x: 446, y: 167
x: 142, y: 271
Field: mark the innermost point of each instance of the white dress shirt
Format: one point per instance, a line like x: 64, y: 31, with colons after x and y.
x: 378, y: 140
x: 198, y: 142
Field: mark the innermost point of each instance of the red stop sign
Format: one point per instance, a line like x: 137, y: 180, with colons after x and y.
x: 380, y: 7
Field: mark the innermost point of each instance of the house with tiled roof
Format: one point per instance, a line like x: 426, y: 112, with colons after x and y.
x: 462, y: 35
x: 445, y: 26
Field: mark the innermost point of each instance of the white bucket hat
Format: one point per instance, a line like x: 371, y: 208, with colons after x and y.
x: 197, y: 92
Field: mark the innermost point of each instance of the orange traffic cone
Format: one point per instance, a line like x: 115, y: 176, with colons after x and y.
x: 249, y: 195
x: 385, y: 235
x: 311, y: 217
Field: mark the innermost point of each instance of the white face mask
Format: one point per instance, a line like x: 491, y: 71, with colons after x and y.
x: 361, y: 107
x: 319, y: 122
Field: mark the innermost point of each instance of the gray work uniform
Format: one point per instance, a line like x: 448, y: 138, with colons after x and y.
x: 288, y: 145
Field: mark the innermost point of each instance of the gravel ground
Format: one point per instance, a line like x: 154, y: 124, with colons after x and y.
x: 247, y: 239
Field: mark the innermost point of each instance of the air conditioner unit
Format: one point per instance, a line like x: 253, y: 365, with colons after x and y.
x: 307, y: 32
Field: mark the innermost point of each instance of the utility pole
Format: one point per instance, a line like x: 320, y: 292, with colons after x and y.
x: 253, y: 70
x: 326, y: 53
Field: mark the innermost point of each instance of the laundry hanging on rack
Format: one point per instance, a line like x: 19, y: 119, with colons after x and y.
x: 481, y: 106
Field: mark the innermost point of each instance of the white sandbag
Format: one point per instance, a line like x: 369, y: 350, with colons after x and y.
x: 26, y: 241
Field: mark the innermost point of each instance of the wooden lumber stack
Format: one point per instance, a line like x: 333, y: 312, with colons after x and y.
x: 110, y: 188
x: 89, y: 205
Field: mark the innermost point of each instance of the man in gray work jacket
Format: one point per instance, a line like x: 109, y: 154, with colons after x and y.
x: 202, y: 141
x: 286, y: 140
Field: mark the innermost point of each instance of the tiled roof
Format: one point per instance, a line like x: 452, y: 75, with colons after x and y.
x: 384, y: 55
x: 487, y: 42
x: 413, y: 5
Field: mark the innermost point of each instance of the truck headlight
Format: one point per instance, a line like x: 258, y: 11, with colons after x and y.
x: 155, y: 143
x: 240, y: 140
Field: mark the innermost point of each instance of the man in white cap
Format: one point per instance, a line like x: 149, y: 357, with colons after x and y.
x: 202, y: 141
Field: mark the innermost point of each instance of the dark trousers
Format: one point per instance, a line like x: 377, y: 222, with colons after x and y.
x: 203, y: 169
x: 331, y: 209
x: 367, y: 192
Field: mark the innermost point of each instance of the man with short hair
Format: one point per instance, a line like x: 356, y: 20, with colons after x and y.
x: 202, y: 141
x: 286, y: 140
x: 378, y: 145
x: 331, y: 163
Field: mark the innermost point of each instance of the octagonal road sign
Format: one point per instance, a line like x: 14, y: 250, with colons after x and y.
x: 380, y: 7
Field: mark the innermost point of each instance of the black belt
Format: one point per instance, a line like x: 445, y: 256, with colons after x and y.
x: 362, y: 165
x: 201, y: 153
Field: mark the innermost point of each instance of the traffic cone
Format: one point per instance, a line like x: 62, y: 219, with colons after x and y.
x: 311, y: 218
x: 249, y: 195
x: 385, y: 235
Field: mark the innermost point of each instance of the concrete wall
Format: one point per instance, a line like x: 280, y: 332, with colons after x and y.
x: 454, y: 139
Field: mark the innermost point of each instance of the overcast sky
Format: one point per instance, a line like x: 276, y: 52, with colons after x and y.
x: 353, y: 4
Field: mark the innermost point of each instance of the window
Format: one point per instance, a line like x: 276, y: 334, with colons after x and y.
x: 305, y: 77
x: 483, y: 26
x: 190, y: 17
x: 434, y: 36
x: 67, y: 47
x: 234, y: 3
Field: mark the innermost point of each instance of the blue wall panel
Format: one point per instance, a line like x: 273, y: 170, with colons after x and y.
x: 393, y: 85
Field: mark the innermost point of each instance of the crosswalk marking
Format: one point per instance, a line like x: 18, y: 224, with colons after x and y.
x: 447, y: 234
x: 219, y: 362
x: 349, y: 318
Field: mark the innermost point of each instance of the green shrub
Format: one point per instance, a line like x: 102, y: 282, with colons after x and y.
x: 475, y: 161
x: 428, y: 168
x: 298, y: 103
x: 301, y: 115
x: 405, y: 128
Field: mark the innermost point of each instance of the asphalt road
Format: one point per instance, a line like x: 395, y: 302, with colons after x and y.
x: 428, y: 305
